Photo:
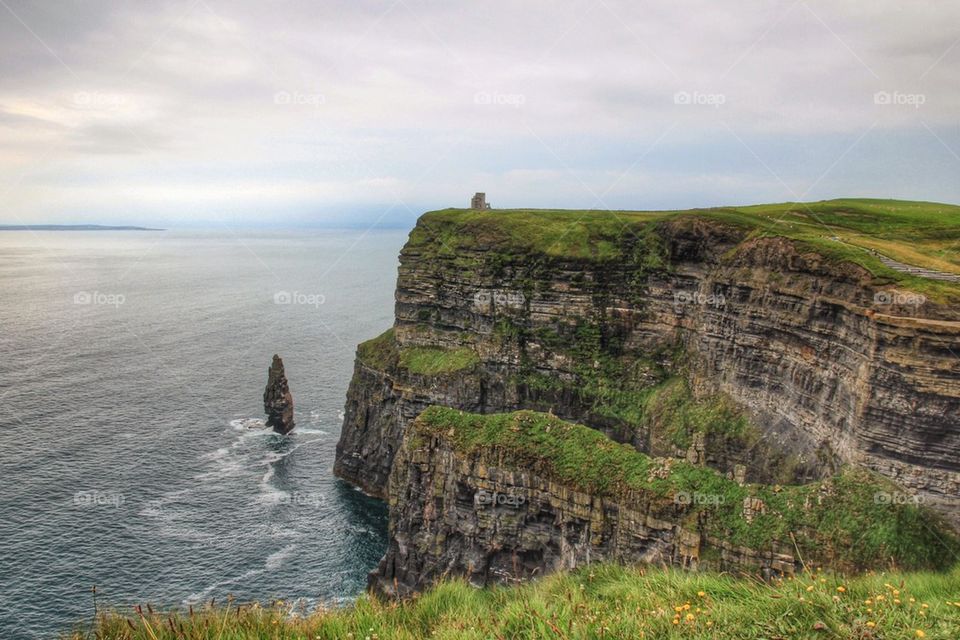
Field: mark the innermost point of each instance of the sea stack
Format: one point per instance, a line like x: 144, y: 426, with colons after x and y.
x: 277, y: 400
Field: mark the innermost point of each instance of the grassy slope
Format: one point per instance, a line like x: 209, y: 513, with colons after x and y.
x: 845, y: 521
x: 921, y: 233
x: 598, y: 602
x: 382, y: 353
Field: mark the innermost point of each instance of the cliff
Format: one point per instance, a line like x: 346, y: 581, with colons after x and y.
x: 747, y: 340
x: 507, y: 497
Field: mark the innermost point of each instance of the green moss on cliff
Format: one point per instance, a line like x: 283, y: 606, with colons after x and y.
x: 431, y: 361
x: 845, y: 230
x: 383, y: 353
x: 379, y: 353
x: 673, y: 412
x: 844, y: 519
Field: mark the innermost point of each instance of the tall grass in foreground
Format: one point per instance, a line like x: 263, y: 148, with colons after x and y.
x: 599, y: 602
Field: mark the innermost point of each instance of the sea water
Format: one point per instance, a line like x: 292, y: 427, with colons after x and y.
x: 132, y: 451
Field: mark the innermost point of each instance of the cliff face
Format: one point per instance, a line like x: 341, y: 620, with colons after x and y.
x: 454, y: 514
x: 505, y: 498
x: 652, y: 344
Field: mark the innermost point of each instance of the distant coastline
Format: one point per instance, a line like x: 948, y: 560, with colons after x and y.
x: 72, y: 227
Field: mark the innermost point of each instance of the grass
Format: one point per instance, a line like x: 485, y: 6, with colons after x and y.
x: 673, y: 411
x: 379, y: 353
x: 432, y: 361
x: 840, y: 520
x: 596, y: 602
x: 922, y: 233
x: 383, y: 353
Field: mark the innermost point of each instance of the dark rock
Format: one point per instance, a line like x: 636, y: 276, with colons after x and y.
x: 793, y: 338
x: 277, y: 400
x: 797, y: 342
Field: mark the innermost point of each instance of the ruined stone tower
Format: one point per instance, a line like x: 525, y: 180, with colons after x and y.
x: 479, y: 201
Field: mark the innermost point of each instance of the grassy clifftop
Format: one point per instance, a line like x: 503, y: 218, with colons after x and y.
x: 596, y: 602
x: 923, y: 234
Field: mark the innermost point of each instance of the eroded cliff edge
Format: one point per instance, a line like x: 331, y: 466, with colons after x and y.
x: 691, y: 336
x: 506, y: 497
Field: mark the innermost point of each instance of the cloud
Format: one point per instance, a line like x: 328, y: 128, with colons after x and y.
x: 288, y: 109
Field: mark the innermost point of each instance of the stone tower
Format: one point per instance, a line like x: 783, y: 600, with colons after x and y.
x: 479, y: 201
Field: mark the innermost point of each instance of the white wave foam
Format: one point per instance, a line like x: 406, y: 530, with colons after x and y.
x: 155, y: 508
x: 304, y: 432
x: 202, y: 596
x: 275, y: 560
x: 248, y: 423
x: 215, y: 455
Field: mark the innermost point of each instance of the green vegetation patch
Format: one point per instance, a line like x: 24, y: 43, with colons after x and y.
x: 845, y: 519
x: 379, y: 353
x: 600, y: 601
x: 924, y: 234
x: 673, y: 411
x: 383, y: 353
x: 432, y: 361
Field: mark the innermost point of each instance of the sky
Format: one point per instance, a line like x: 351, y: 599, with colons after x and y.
x: 360, y: 112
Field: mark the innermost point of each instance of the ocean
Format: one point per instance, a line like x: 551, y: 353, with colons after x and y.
x: 132, y: 458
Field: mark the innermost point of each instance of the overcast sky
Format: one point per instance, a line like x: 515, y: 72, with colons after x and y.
x: 354, y: 111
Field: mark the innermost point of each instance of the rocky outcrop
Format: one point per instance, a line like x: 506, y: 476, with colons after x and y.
x: 454, y: 515
x: 277, y: 399
x: 825, y: 373
x: 475, y: 505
